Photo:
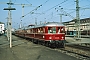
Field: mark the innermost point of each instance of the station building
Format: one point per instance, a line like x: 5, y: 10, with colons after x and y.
x: 71, y: 27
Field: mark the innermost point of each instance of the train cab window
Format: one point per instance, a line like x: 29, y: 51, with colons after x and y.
x: 51, y: 29
x: 54, y: 29
x: 60, y: 30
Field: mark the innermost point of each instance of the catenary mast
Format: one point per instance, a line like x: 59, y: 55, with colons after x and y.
x: 77, y: 17
x: 9, y: 27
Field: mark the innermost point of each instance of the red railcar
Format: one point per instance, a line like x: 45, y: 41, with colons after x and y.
x: 50, y: 34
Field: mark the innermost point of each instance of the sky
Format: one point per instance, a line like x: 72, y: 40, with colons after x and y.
x: 43, y: 11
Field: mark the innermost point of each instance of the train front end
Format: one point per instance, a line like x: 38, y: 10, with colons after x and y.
x: 55, y: 35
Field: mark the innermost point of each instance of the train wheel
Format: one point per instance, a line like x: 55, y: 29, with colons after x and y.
x: 57, y: 45
x: 43, y: 43
x: 31, y: 39
x: 63, y: 45
x: 35, y: 41
x: 52, y: 45
x: 46, y: 43
x: 39, y: 42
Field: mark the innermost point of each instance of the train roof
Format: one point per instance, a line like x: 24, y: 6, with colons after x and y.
x: 54, y: 24
x: 46, y: 24
x: 49, y: 24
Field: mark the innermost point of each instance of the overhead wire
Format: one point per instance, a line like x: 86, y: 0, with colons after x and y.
x: 82, y: 13
x: 45, y: 2
x: 58, y: 5
x: 31, y: 12
x: 14, y: 1
x: 70, y: 11
x: 85, y: 5
x: 67, y: 4
x: 27, y: 1
x: 43, y: 5
x: 84, y: 8
x: 55, y: 6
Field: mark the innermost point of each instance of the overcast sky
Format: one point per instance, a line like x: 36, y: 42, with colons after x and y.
x: 46, y: 11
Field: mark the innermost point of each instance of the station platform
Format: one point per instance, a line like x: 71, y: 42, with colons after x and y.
x: 75, y: 40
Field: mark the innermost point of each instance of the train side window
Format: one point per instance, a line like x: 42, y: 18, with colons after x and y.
x: 38, y: 30
x: 31, y: 30
x: 43, y: 30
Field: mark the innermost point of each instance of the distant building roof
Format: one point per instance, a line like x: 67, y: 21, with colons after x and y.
x: 74, y: 21
x: 1, y: 23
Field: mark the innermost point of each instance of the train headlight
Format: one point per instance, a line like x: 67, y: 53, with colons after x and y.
x: 43, y: 37
x: 62, y: 37
x: 62, y: 29
x: 50, y: 37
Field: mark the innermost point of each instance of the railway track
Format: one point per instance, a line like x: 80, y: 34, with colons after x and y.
x: 79, y: 52
x: 76, y: 52
x: 77, y: 46
x: 73, y: 51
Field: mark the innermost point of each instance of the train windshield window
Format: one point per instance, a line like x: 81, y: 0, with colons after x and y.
x: 59, y: 30
x: 62, y: 30
x: 51, y: 29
